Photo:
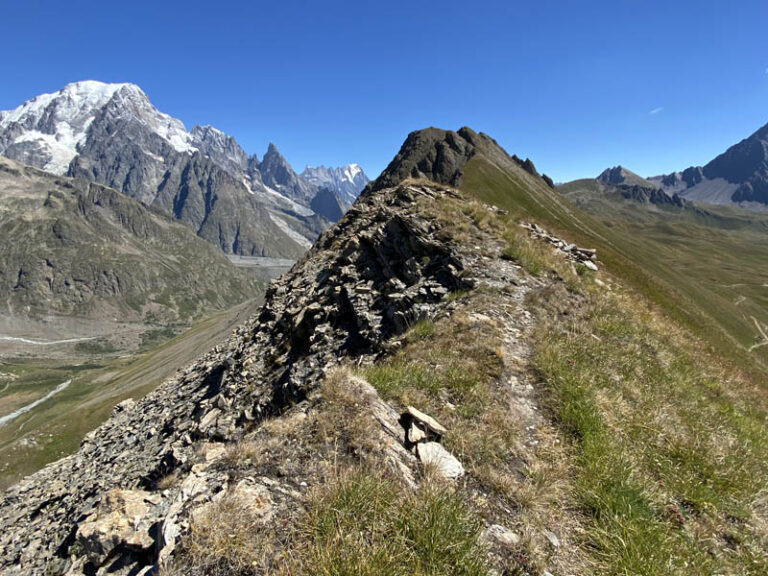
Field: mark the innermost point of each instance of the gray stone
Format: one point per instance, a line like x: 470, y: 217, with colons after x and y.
x: 444, y: 463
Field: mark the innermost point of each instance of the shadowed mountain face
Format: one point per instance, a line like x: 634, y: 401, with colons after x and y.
x: 739, y: 175
x: 76, y: 248
x: 433, y: 154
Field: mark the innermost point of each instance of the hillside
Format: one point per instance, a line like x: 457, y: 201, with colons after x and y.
x: 432, y: 389
x: 712, y: 259
x: 82, y: 250
x: 698, y: 293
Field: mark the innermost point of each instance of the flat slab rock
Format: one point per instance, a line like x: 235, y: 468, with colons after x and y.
x: 445, y: 463
x: 426, y: 421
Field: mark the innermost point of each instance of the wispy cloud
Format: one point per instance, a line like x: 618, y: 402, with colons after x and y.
x: 655, y: 111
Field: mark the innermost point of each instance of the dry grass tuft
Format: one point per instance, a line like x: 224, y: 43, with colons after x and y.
x: 224, y: 539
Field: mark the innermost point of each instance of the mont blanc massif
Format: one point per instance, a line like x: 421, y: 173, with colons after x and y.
x: 213, y: 364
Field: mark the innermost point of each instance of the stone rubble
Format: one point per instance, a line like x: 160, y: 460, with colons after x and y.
x: 584, y: 256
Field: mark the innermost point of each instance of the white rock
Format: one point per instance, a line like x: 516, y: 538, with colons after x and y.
x: 502, y: 535
x: 433, y: 454
x: 427, y: 421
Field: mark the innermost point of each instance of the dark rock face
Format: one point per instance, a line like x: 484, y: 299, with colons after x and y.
x: 440, y: 156
x: 740, y: 174
x: 434, y: 154
x: 191, y: 187
x: 692, y: 176
x: 78, y: 248
x: 650, y: 196
x: 220, y: 147
x: 327, y: 204
x: 366, y: 280
x: 277, y: 174
x: 745, y: 164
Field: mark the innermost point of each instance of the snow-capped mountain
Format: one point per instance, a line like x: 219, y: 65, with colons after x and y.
x: 46, y: 131
x: 113, y: 135
x: 220, y: 147
x: 346, y: 181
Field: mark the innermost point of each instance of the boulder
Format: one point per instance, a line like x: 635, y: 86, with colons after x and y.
x: 433, y: 454
x: 122, y: 519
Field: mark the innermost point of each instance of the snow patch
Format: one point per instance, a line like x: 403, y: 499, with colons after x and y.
x: 58, y: 122
x: 290, y: 232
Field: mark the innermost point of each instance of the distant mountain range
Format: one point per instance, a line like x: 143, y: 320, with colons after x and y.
x: 738, y: 175
x: 111, y: 134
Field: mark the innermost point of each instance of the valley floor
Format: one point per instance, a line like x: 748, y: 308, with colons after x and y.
x: 99, y: 378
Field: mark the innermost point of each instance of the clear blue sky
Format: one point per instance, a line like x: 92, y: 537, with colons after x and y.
x: 576, y: 85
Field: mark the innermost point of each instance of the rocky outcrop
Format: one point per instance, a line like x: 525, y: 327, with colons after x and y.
x: 584, y: 256
x: 433, y: 154
x: 651, y: 195
x: 365, y: 282
x: 441, y: 156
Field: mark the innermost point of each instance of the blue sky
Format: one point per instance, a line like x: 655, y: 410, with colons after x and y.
x: 575, y: 85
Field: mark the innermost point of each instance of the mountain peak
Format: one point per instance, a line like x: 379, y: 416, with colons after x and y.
x: 47, y: 131
x: 347, y: 181
x: 618, y: 175
x: 438, y: 155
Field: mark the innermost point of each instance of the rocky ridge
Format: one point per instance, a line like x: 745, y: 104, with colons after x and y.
x: 110, y: 509
x: 583, y: 256
x: 364, y: 283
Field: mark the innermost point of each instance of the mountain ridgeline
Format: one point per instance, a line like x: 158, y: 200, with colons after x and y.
x: 112, y: 135
x: 441, y: 372
x: 737, y: 176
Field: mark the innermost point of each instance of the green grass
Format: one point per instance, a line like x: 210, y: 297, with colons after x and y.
x: 670, y: 455
x: 364, y: 524
x: 707, y: 269
x: 98, y: 383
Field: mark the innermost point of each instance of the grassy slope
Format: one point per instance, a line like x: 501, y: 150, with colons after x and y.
x: 689, y: 269
x: 669, y: 442
x: 653, y: 462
